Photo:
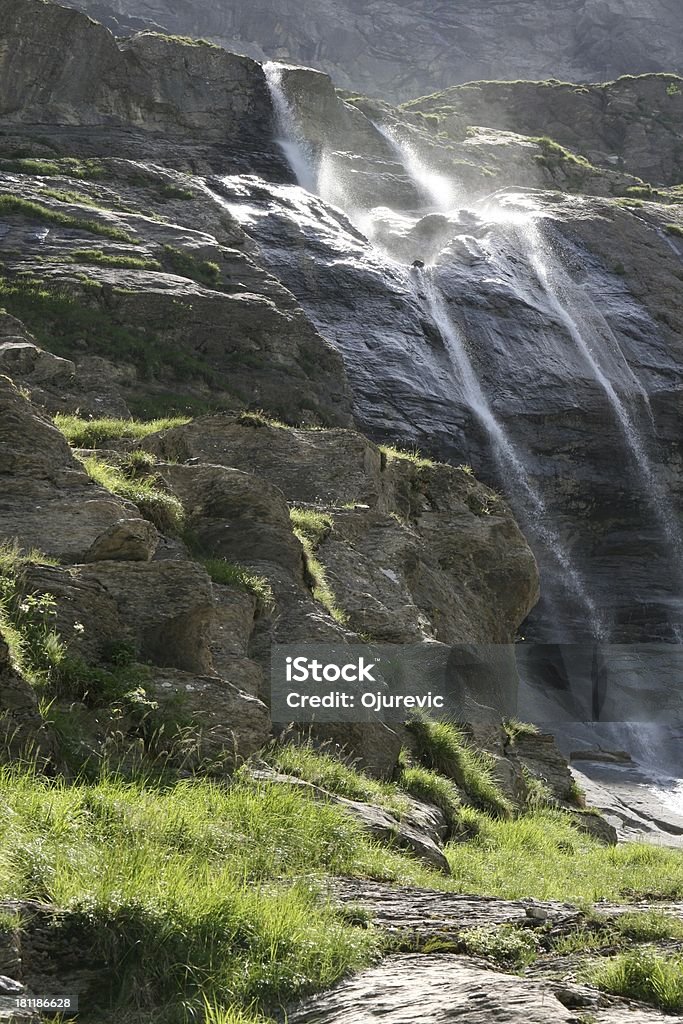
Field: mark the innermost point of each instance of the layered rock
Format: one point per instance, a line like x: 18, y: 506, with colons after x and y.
x: 401, y: 51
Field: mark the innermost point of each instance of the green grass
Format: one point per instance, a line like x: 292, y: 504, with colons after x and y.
x: 98, y: 433
x: 644, y: 975
x: 192, y: 892
x: 71, y: 167
x: 311, y: 528
x: 514, y: 728
x: 231, y: 574
x: 329, y: 772
x: 674, y: 229
x: 315, y: 526
x: 15, y: 205
x: 185, y: 40
x: 154, y: 503
x: 186, y: 265
x: 258, y: 418
x: 541, y: 855
x: 411, y: 455
x: 62, y: 320
x: 27, y: 619
x: 649, y: 926
x: 426, y: 785
x: 441, y: 747
x: 101, y: 259
x: 600, y: 931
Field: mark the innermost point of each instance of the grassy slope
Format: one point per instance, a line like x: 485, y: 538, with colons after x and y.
x: 199, y: 891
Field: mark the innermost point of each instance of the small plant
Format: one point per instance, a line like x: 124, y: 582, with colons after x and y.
x: 644, y: 975
x: 673, y: 89
x: 98, y: 433
x: 157, y: 505
x: 27, y: 619
x: 230, y: 574
x: 508, y: 946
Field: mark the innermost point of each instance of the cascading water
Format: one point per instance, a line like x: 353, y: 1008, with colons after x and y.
x: 438, y: 190
x: 510, y: 461
x: 569, y: 303
x: 501, y: 240
x: 289, y: 139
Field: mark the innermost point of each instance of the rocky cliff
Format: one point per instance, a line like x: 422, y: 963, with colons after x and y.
x: 399, y: 50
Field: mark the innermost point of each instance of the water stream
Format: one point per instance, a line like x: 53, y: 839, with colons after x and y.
x: 512, y: 241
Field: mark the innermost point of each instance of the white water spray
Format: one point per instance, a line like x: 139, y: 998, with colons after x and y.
x: 436, y: 188
x: 289, y: 139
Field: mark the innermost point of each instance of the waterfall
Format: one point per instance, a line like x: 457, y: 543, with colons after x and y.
x: 438, y: 190
x: 570, y: 305
x: 508, y: 458
x: 289, y: 138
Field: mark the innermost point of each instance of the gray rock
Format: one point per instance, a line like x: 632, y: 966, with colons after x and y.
x: 402, y: 51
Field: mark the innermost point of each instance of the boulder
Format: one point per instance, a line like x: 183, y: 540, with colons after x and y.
x: 48, y: 501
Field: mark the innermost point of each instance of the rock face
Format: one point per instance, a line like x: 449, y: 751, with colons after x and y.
x: 530, y: 335
x: 633, y: 123
x: 153, y: 81
x: 401, y: 51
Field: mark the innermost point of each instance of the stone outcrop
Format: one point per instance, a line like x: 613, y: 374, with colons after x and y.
x: 43, y: 484
x: 150, y: 81
x: 633, y: 123
x: 400, y: 51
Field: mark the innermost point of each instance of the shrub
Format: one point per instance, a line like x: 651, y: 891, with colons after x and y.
x: 644, y: 975
x: 98, y: 433
x: 157, y: 505
x: 232, y: 574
